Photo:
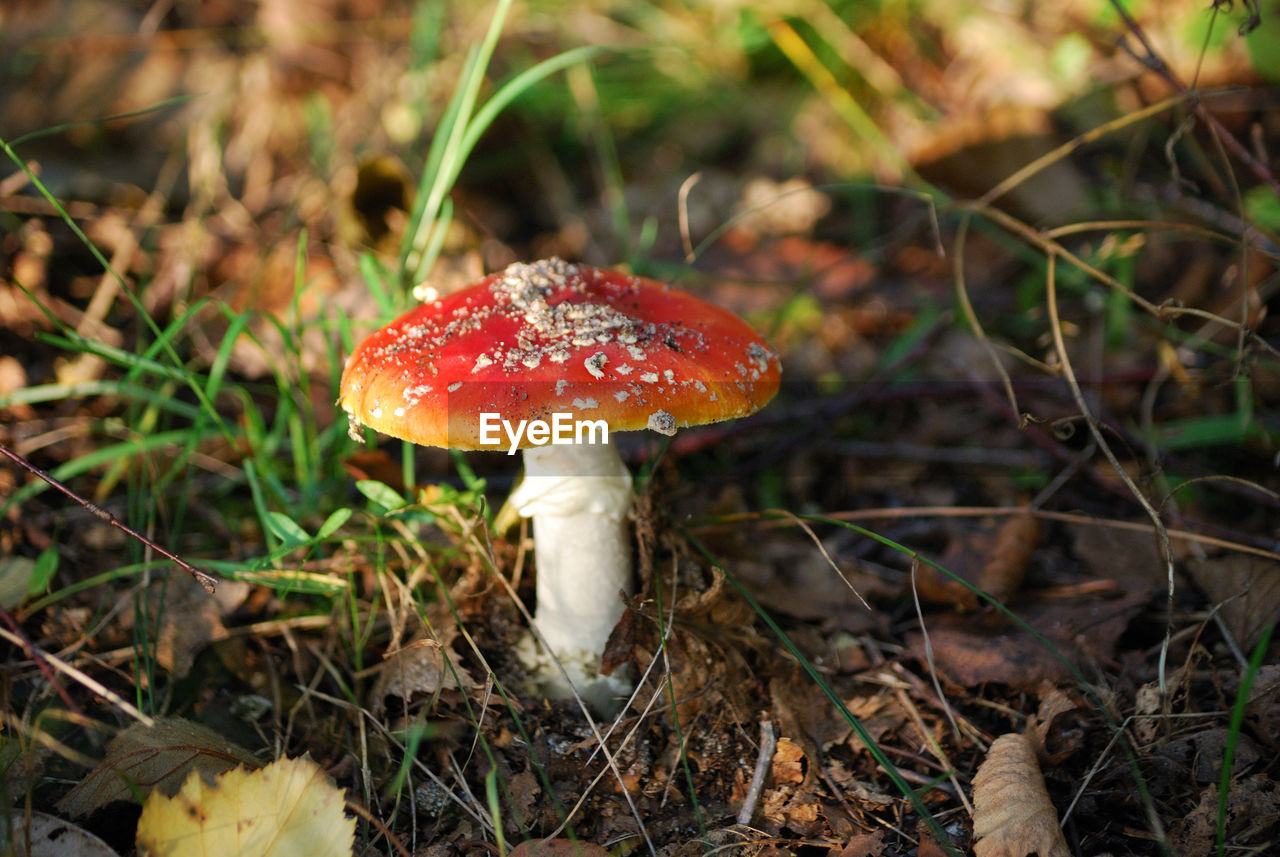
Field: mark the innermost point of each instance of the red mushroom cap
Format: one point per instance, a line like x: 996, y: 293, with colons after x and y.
x: 550, y: 337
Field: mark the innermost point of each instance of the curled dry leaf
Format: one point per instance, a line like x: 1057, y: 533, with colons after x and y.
x: 993, y: 560
x: 287, y: 809
x: 1252, y: 819
x: 1010, y: 553
x: 144, y: 758
x: 1056, y: 725
x: 870, y: 844
x: 187, y: 618
x: 1012, y: 813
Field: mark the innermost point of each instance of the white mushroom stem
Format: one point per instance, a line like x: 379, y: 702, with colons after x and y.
x: 578, y: 496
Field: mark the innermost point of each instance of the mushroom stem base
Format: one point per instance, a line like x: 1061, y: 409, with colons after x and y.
x: 603, y: 694
x: 578, y: 497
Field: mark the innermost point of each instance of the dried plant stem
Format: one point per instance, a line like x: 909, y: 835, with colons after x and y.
x: 40, y: 655
x: 1152, y: 60
x: 1162, y: 534
x: 206, y: 580
x: 971, y: 316
x: 1049, y: 158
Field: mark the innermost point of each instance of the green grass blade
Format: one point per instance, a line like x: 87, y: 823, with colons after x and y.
x: 1233, y: 735
x: 517, y: 86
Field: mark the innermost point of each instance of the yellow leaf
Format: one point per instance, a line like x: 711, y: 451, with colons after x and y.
x: 287, y: 809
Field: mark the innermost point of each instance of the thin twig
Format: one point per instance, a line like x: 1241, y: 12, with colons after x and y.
x: 682, y: 213
x: 204, y: 578
x: 37, y: 657
x: 83, y: 678
x: 1068, y: 374
x: 768, y: 743
x: 1152, y: 60
x: 392, y: 839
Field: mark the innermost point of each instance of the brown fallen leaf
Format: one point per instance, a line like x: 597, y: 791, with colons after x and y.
x: 1248, y: 589
x: 1012, y: 813
x: 936, y: 587
x: 1252, y: 822
x: 145, y: 758
x: 557, y: 848
x: 789, y: 763
x: 993, y: 560
x: 1056, y: 725
x: 1263, y: 708
x: 864, y: 845
x: 1011, y: 550
x: 187, y: 618
x: 418, y: 668
x: 977, y: 649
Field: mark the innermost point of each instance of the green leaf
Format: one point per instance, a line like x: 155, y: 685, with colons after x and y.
x: 287, y: 529
x: 42, y: 575
x: 381, y: 494
x: 333, y: 523
x: 1264, y: 207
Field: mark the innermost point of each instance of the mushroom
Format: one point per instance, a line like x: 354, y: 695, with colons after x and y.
x: 551, y: 358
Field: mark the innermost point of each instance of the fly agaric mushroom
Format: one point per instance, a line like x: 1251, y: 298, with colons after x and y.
x: 525, y: 359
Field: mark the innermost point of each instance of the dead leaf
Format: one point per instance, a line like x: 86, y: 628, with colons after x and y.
x: 1248, y: 589
x: 936, y: 587
x: 50, y: 836
x: 1056, y: 725
x: 789, y: 763
x: 994, y: 560
x: 1011, y: 550
x: 716, y: 605
x: 418, y: 669
x: 525, y: 790
x: 1263, y: 708
x: 1253, y: 816
x: 929, y: 846
x: 970, y: 652
x: 1129, y: 557
x: 1012, y: 813
x: 15, y: 574
x: 804, y: 713
x: 713, y: 628
x: 142, y: 759
x: 377, y: 465
x: 557, y: 848
x: 864, y: 845
x: 287, y: 809
x: 189, y: 618
x: 977, y: 649
x: 794, y: 579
